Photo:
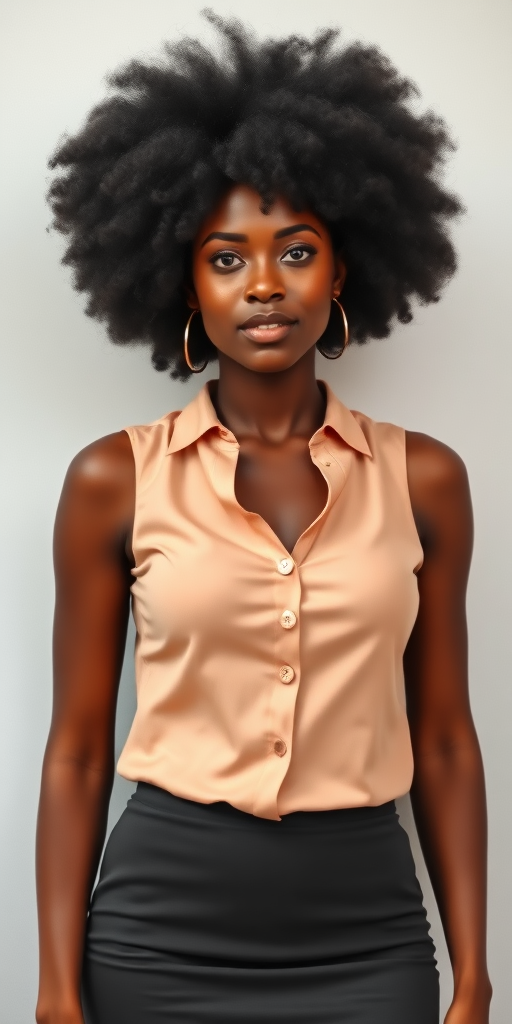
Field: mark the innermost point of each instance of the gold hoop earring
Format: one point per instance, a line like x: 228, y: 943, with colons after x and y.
x: 345, y: 330
x: 194, y: 369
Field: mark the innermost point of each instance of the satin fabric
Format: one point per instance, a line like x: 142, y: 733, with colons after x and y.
x: 231, y: 704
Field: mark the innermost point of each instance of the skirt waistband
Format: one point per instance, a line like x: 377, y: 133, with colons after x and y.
x: 165, y: 803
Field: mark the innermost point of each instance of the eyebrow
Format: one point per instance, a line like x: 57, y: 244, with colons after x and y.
x: 225, y: 236
x: 296, y: 227
x: 228, y: 236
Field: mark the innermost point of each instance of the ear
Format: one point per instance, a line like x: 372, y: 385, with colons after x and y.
x: 191, y: 297
x: 340, y: 273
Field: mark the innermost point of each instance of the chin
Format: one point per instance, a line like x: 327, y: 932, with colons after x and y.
x: 272, y: 361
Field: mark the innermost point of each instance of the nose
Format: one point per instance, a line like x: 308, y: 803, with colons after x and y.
x: 265, y: 283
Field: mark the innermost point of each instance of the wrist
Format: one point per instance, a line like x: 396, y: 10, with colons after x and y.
x: 59, y: 1011
x: 473, y: 986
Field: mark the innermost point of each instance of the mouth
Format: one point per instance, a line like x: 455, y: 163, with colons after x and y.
x: 267, y: 327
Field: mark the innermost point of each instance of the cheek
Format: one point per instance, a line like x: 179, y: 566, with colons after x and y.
x: 314, y: 287
x: 315, y: 299
x: 216, y: 299
x: 215, y: 294
x: 316, y: 296
x: 217, y: 312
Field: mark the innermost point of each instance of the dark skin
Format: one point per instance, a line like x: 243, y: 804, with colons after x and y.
x: 268, y: 396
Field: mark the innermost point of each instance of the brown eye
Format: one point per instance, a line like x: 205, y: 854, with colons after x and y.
x: 299, y: 254
x: 226, y: 260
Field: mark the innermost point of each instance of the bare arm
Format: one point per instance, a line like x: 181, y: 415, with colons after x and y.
x: 448, y: 793
x: 92, y: 563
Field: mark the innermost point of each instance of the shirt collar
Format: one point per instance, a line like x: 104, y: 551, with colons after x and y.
x: 199, y: 417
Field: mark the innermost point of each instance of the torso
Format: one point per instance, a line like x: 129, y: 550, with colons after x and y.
x: 278, y: 486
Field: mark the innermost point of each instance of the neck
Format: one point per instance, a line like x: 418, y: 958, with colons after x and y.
x: 269, y: 406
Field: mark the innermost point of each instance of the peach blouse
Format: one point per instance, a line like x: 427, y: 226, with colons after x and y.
x: 268, y: 679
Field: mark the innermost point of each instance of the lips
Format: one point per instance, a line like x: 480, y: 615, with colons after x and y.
x: 267, y: 328
x: 267, y: 320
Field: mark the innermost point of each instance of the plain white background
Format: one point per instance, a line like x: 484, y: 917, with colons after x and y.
x: 63, y: 385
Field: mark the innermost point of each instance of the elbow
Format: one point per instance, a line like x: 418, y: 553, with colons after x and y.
x: 446, y: 742
x: 78, y: 764
x: 447, y: 761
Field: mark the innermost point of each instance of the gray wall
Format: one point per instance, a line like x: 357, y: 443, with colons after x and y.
x: 447, y: 374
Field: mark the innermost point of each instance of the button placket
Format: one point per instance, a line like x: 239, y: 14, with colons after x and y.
x: 287, y: 591
x: 288, y: 637
x: 287, y: 598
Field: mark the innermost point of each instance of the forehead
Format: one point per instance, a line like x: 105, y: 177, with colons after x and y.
x: 239, y: 212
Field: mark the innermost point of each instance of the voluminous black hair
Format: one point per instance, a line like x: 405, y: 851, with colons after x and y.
x: 329, y: 127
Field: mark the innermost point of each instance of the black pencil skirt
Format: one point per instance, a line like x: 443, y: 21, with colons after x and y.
x: 206, y: 915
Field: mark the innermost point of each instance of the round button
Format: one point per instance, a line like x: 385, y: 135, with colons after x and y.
x: 288, y: 619
x: 280, y: 748
x: 286, y: 674
x: 285, y: 566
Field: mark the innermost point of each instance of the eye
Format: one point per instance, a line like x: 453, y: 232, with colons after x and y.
x: 226, y: 260
x: 298, y: 254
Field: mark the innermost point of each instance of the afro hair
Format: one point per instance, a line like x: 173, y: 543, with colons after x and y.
x: 328, y: 127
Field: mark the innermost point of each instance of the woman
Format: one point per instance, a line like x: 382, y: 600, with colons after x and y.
x: 253, y: 208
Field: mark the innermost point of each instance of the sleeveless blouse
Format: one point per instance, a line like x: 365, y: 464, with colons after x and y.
x: 269, y: 679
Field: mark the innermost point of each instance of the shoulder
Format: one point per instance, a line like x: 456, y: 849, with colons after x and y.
x: 97, y: 505
x: 438, y: 485
x: 432, y: 464
x: 102, y: 475
x: 381, y: 436
x: 107, y: 470
x: 105, y: 464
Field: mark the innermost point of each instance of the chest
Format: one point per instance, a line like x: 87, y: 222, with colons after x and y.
x: 281, y: 484
x: 208, y: 565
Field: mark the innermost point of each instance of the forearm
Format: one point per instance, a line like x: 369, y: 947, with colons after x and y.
x: 71, y: 829
x: 448, y: 798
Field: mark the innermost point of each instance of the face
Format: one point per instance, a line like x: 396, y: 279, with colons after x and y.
x: 264, y: 282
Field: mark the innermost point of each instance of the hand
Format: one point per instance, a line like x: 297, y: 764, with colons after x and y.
x: 470, y: 1008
